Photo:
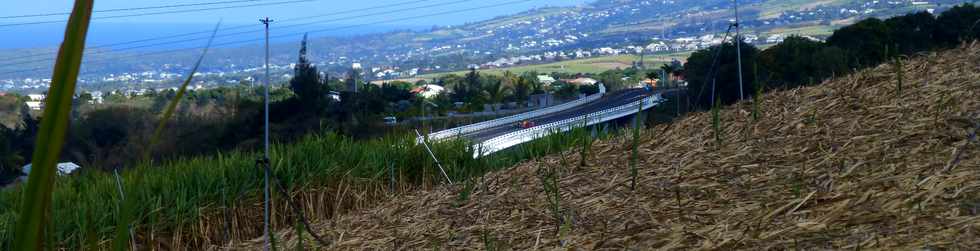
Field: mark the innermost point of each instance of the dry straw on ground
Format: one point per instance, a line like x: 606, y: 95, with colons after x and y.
x: 847, y: 164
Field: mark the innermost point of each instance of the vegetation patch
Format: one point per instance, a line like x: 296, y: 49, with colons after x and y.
x: 852, y: 165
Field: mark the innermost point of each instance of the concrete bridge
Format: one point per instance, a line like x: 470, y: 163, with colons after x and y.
x: 495, y: 135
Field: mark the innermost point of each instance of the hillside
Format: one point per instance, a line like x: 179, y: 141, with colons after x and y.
x: 848, y: 164
x: 538, y: 32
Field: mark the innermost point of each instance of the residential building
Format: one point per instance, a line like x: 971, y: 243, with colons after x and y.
x: 546, y: 80
x: 581, y: 81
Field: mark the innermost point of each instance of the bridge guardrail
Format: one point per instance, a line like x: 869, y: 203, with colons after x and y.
x: 448, y: 133
x: 515, y: 138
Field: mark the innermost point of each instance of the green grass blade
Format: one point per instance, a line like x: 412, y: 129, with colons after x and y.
x: 126, y: 213
x: 180, y: 94
x: 51, y: 137
x: 129, y: 203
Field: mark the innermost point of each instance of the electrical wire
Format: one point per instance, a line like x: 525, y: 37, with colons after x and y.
x: 381, y: 13
x: 288, y: 35
x: 132, y: 9
x: 162, y: 12
x: 227, y: 28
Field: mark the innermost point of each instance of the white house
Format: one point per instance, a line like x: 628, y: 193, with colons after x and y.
x: 658, y: 47
x: 582, y: 81
x: 546, y: 80
x: 774, y: 39
x: 64, y: 168
x: 429, y: 91
x: 35, y: 105
x: 97, y: 97
x: 36, y: 97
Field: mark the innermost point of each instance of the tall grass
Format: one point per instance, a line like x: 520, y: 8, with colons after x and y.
x: 549, y: 177
x: 899, y: 74
x: 586, y: 141
x: 35, y: 210
x: 172, y: 106
x: 176, y: 198
x: 635, y: 147
x: 757, y: 98
x: 716, y: 119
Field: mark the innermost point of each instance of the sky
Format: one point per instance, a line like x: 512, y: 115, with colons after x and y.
x: 313, y: 14
x: 251, y: 14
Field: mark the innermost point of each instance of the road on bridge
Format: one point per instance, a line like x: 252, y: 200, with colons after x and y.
x: 609, y: 100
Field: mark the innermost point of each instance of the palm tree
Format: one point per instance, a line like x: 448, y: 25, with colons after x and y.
x: 522, y: 89
x: 495, y: 92
x: 670, y: 71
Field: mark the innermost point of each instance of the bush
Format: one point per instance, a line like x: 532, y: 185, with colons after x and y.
x: 912, y: 33
x: 957, y: 25
x: 793, y: 62
x: 701, y: 69
x: 865, y: 42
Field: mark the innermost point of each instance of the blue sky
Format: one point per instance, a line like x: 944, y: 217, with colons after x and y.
x: 243, y: 15
x: 127, y: 28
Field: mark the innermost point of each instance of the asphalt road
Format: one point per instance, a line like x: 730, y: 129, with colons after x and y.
x: 607, y: 101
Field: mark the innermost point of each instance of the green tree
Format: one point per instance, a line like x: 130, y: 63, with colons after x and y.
x: 565, y: 90
x: 913, y: 32
x: 470, y: 90
x: 309, y: 87
x: 522, y: 89
x: 613, y: 79
x: 792, y: 62
x: 10, y: 158
x: 957, y: 25
x: 495, y: 92
x: 865, y: 41
x: 830, y: 61
x: 474, y: 85
x: 669, y: 71
x: 588, y: 89
x: 702, y: 70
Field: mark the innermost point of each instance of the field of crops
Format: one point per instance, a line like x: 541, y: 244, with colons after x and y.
x: 211, y: 200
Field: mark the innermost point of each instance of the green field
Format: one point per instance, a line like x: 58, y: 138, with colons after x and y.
x: 813, y: 30
x: 772, y: 9
x: 590, y: 65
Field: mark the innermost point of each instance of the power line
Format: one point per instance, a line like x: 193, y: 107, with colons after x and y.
x: 290, y: 34
x: 132, y: 9
x: 225, y: 29
x: 161, y: 12
x: 257, y: 30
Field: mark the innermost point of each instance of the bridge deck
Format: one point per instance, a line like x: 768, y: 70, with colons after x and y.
x: 608, y: 101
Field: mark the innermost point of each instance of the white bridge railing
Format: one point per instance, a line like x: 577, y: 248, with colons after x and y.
x: 449, y: 133
x: 515, y: 138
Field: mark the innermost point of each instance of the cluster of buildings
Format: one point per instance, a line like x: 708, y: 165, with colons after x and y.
x: 656, y: 46
x: 36, y: 101
x: 393, y: 72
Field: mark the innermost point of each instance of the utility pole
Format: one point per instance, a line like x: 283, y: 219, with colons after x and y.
x: 265, y: 159
x: 738, y: 52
